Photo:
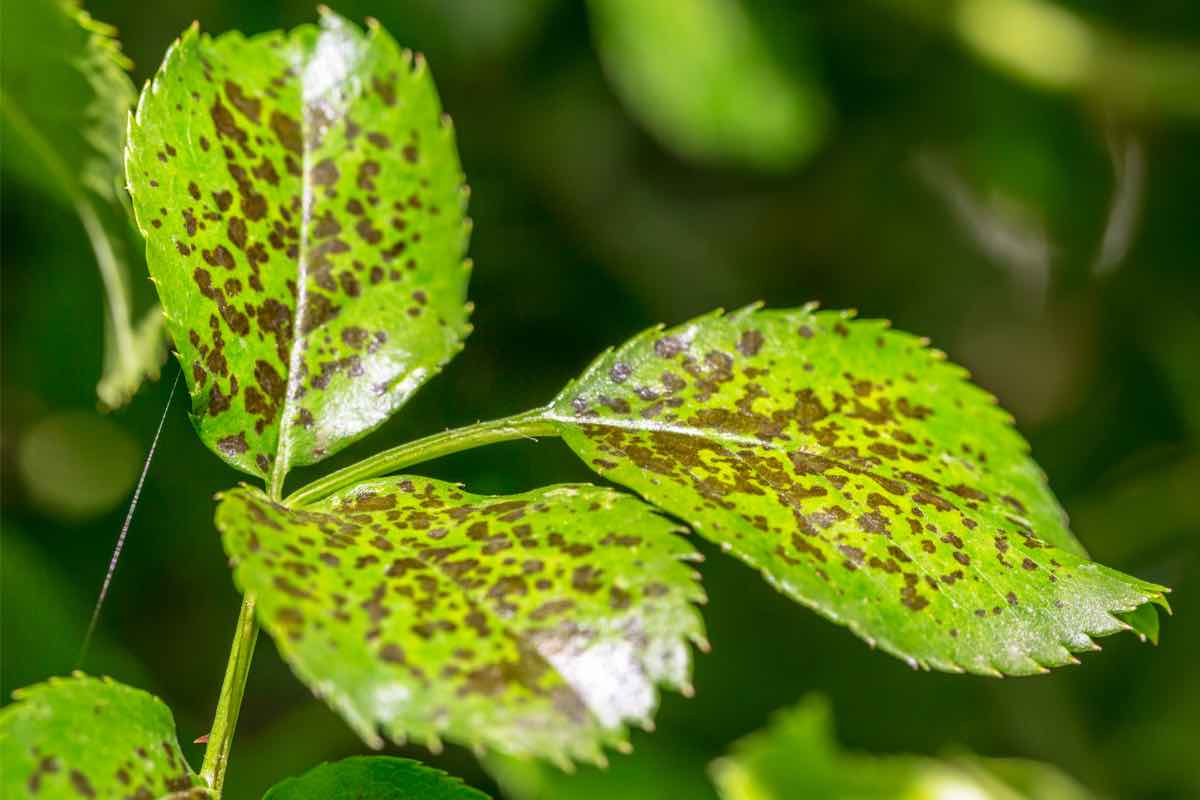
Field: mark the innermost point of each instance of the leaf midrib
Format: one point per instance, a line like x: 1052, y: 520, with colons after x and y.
x: 283, y: 445
x: 724, y: 439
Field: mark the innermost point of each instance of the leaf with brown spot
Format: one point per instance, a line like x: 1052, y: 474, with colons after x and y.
x: 270, y: 143
x: 862, y: 474
x: 532, y: 624
x: 91, y: 737
x: 66, y: 97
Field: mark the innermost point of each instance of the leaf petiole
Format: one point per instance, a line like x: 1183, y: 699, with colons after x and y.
x: 229, y: 704
x: 527, y: 425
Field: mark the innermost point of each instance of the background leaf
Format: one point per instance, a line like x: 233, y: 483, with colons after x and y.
x: 702, y: 76
x: 796, y: 756
x: 303, y: 206
x: 91, y: 737
x: 532, y: 624
x: 657, y: 769
x: 66, y: 96
x: 861, y: 474
x: 373, y: 778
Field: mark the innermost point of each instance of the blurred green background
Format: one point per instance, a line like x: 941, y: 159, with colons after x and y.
x: 1015, y: 179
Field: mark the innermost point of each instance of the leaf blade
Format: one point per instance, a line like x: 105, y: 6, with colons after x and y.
x: 305, y: 224
x: 861, y: 474
x: 533, y: 624
x: 83, y: 736
x: 373, y: 778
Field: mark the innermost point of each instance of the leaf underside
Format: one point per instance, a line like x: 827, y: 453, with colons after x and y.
x: 303, y: 206
x: 861, y: 474
x: 373, y: 778
x: 66, y: 97
x: 797, y: 756
x: 532, y: 624
x: 91, y: 737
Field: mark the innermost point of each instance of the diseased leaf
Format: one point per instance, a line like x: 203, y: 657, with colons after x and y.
x: 532, y: 624
x: 91, y: 737
x: 303, y: 208
x: 862, y: 474
x: 701, y: 76
x: 797, y: 757
x: 66, y: 96
x: 373, y: 778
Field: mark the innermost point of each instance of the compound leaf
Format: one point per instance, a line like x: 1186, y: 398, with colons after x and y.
x: 66, y: 96
x: 861, y: 474
x: 532, y: 624
x: 303, y: 207
x: 373, y: 778
x: 91, y: 737
x: 797, y: 756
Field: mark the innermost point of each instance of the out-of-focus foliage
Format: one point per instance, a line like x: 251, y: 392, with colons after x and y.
x: 796, y: 756
x: 66, y: 95
x: 61, y: 605
x: 373, y: 778
x: 658, y: 769
x: 93, y: 460
x: 703, y: 77
x: 1051, y: 46
x: 954, y: 196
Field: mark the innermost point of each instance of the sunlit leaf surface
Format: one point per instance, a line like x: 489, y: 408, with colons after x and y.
x: 797, y: 756
x: 373, y: 778
x: 66, y: 97
x: 532, y: 624
x: 304, y: 212
x: 83, y: 737
x: 862, y: 474
x: 702, y: 77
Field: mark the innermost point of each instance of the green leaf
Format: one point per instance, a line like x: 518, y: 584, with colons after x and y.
x: 373, y: 778
x: 66, y: 96
x: 303, y: 208
x: 91, y: 737
x: 797, y: 757
x: 532, y: 624
x: 1143, y: 621
x: 661, y: 767
x: 702, y: 77
x: 862, y: 474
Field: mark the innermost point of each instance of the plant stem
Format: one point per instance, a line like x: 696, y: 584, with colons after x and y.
x: 220, y: 738
x: 520, y: 426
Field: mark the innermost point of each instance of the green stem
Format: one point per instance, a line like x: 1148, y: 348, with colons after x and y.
x: 220, y: 738
x: 520, y: 426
